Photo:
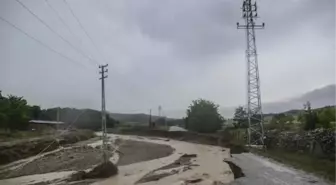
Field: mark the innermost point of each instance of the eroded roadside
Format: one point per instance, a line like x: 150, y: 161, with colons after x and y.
x: 138, y: 158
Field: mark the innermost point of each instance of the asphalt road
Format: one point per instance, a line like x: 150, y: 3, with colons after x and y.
x: 262, y: 171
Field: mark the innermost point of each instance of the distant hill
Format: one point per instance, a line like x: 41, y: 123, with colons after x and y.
x: 144, y: 119
x: 321, y: 97
x: 80, y: 118
x: 135, y: 118
x: 318, y: 98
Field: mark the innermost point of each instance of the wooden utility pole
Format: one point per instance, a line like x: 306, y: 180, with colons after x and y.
x: 103, y: 70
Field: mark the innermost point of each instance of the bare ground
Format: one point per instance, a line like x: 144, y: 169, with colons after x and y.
x: 23, y: 148
x: 137, y: 151
x: 83, y: 157
x: 78, y: 158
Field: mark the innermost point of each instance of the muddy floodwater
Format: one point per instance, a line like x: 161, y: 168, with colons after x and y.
x: 206, y: 166
x: 141, y: 160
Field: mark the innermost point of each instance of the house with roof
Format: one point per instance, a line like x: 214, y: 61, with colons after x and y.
x: 46, y: 125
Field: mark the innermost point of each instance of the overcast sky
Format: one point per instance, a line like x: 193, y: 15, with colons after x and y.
x: 163, y: 52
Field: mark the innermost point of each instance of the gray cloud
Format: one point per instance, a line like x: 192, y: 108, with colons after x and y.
x: 164, y: 52
x: 195, y: 28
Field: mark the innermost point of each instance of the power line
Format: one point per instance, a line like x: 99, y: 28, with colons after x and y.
x: 60, y: 18
x: 45, y: 149
x: 63, y: 21
x: 60, y: 36
x: 40, y: 42
x: 82, y: 27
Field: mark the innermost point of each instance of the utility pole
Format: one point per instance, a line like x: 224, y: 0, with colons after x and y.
x: 103, y: 70
x: 159, y: 110
x: 150, y: 118
x: 254, y: 108
x: 58, y: 114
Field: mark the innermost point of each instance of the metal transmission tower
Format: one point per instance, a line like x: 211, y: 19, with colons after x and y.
x: 254, y: 110
x: 103, y: 111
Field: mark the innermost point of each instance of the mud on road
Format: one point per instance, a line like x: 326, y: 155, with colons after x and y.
x: 83, y: 157
x: 137, y: 151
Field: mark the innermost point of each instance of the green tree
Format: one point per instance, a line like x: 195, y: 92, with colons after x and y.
x: 35, y: 112
x: 13, y: 112
x: 281, y: 122
x: 203, y: 116
x: 310, y: 117
x: 4, y: 106
x: 240, y: 118
x: 18, y: 113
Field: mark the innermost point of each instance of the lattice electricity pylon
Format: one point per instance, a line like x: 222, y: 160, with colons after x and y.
x: 254, y: 110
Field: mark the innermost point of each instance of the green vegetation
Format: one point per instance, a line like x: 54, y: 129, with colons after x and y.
x: 288, y: 135
x: 15, y: 114
x: 321, y: 167
x: 293, y: 120
x: 240, y: 118
x: 306, y: 119
x: 203, y: 116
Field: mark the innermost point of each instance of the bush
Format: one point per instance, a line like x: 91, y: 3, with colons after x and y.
x: 203, y: 116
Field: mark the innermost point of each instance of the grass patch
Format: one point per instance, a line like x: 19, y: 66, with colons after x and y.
x: 324, y: 168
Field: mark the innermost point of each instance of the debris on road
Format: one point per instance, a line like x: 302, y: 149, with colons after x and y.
x: 103, y: 170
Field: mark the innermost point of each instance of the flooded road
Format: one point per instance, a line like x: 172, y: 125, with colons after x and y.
x: 262, y: 171
x: 204, y: 166
x: 209, y: 165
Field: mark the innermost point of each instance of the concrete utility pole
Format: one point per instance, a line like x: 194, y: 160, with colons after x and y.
x: 254, y: 110
x: 150, y: 118
x: 102, y: 71
x: 58, y: 114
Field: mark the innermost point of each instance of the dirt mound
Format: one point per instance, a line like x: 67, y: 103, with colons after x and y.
x: 137, y: 151
x: 12, y: 151
x: 103, y: 170
x: 74, y: 159
x: 180, y: 165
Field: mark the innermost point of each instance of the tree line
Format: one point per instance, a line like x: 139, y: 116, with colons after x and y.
x: 305, y: 119
x: 15, y: 114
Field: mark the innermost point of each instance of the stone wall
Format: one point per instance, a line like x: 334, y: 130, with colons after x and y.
x: 319, y: 142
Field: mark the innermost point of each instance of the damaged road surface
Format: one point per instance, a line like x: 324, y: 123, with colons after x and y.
x: 259, y: 170
x: 140, y: 160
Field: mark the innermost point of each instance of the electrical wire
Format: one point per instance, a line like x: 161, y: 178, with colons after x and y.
x: 63, y: 21
x: 60, y: 18
x: 60, y: 36
x: 82, y: 27
x: 41, y: 43
x: 29, y: 161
